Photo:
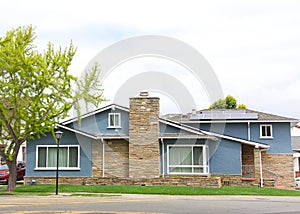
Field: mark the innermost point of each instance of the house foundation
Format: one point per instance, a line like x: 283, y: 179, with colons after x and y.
x: 210, y: 182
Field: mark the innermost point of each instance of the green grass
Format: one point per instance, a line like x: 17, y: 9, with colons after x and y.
x: 167, y: 190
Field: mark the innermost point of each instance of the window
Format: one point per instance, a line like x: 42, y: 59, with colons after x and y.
x: 114, y: 120
x: 266, y: 131
x: 68, y: 157
x: 187, y: 159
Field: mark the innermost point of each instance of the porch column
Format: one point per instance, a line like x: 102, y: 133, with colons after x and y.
x: 257, y: 164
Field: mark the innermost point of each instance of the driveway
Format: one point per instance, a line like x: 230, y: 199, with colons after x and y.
x: 149, y: 204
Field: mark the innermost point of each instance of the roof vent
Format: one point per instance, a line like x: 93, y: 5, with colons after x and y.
x: 144, y: 94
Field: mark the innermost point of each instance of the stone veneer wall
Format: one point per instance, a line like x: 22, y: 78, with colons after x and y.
x: 116, y: 163
x: 282, y: 165
x: 213, y: 182
x: 115, y: 158
x: 144, y: 161
x: 97, y: 158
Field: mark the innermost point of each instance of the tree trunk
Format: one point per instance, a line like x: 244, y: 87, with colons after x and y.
x: 12, y: 182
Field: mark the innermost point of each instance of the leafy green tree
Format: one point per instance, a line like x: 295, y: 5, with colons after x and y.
x: 228, y: 103
x: 36, y: 92
x: 242, y: 106
x: 219, y: 104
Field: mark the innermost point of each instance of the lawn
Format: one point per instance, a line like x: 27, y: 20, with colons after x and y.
x: 167, y: 190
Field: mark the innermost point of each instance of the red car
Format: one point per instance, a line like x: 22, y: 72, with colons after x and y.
x: 4, y: 172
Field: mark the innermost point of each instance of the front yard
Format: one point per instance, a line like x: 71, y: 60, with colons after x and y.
x: 167, y: 190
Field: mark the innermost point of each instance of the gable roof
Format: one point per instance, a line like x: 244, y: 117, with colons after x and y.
x: 91, y: 113
x: 195, y: 133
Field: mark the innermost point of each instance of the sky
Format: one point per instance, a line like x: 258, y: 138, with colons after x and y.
x: 252, y: 46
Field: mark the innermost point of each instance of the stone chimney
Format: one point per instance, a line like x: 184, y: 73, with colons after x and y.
x: 144, y: 155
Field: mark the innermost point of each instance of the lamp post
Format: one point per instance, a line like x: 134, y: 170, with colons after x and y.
x: 58, y: 135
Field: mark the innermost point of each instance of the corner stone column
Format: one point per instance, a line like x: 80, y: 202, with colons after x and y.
x: 144, y: 154
x: 257, y: 164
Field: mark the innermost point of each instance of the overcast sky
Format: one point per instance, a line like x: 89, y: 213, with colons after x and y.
x: 253, y: 46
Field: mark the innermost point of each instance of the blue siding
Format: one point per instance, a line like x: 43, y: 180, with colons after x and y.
x: 167, y: 129
x: 226, y: 159
x: 281, y: 142
x: 97, y: 124
x: 68, y: 138
x: 239, y: 130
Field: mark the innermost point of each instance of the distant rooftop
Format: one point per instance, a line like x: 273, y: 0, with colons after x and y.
x: 296, y: 143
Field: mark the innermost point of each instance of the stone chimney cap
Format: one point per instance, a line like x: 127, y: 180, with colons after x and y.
x: 144, y: 94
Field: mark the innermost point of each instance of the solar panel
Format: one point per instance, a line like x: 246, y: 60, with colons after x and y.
x: 223, y: 115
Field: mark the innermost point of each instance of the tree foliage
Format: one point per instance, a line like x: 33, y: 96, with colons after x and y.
x: 36, y: 91
x: 228, y: 103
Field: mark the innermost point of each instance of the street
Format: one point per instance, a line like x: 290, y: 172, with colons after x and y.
x: 149, y: 204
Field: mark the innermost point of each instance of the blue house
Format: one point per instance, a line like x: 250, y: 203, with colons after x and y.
x: 119, y: 145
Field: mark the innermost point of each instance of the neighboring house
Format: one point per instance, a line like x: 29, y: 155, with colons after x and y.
x: 296, y: 149
x: 21, y: 155
x: 117, y: 145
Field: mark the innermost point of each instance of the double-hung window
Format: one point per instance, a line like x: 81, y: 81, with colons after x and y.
x: 114, y: 120
x: 266, y: 131
x: 187, y: 159
x: 68, y: 157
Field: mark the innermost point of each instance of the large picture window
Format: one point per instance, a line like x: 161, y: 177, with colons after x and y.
x: 187, y: 159
x: 68, y: 157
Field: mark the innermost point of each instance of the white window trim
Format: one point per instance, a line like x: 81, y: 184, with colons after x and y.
x: 111, y: 126
x: 271, y: 130
x: 205, y: 160
x: 54, y: 168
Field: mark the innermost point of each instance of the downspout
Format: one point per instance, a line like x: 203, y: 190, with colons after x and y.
x: 249, y: 138
x: 261, y: 168
x: 103, y: 155
x: 163, y: 157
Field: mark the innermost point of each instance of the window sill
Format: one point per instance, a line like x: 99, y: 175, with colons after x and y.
x: 114, y: 127
x: 266, y: 138
x: 189, y: 174
x: 60, y: 169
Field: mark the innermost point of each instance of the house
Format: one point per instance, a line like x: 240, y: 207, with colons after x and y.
x: 117, y: 145
x: 296, y: 149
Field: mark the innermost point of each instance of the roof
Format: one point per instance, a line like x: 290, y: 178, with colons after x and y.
x: 228, y: 115
x: 213, y: 135
x: 267, y: 116
x: 194, y: 132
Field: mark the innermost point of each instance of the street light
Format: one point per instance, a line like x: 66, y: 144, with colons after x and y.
x: 58, y: 135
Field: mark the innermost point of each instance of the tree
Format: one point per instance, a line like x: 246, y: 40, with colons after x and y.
x: 219, y: 104
x: 242, y: 106
x: 228, y: 103
x: 36, y: 92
